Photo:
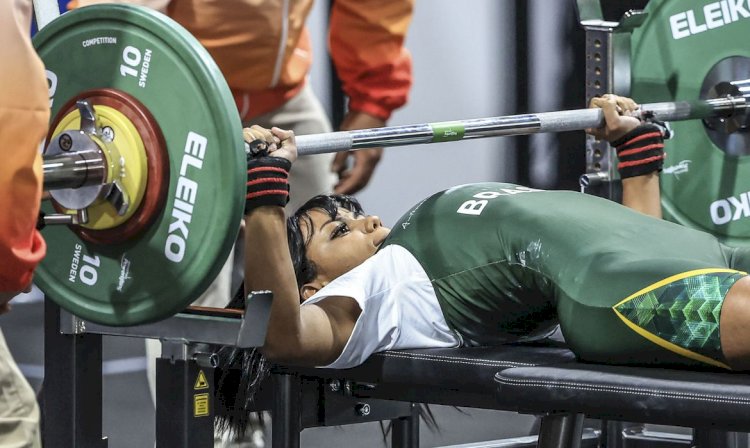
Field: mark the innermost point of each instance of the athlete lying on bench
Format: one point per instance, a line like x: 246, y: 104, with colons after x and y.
x: 492, y: 263
x: 487, y: 264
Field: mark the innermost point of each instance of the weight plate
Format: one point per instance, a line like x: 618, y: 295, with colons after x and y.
x: 680, y: 48
x: 154, y: 60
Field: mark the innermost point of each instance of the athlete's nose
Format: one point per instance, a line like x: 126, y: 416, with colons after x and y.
x: 372, y: 222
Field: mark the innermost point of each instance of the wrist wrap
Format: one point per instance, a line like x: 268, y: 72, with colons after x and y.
x: 640, y: 151
x: 267, y: 182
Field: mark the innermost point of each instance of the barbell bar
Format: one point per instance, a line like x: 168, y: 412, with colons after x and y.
x: 560, y: 121
x: 88, y: 167
x: 78, y: 169
x: 75, y: 170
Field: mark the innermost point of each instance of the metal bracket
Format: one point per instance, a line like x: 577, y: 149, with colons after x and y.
x: 607, y: 47
x: 194, y: 325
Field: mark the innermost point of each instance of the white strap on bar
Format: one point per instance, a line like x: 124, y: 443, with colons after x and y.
x: 45, y: 11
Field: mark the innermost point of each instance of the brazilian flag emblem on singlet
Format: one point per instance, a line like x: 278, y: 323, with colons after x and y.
x: 681, y: 313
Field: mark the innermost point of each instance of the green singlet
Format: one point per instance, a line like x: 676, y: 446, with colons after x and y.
x: 509, y: 262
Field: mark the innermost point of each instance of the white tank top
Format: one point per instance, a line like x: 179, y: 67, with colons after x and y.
x: 399, y: 307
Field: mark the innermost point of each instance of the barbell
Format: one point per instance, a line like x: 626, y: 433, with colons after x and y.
x: 145, y: 161
x: 730, y: 106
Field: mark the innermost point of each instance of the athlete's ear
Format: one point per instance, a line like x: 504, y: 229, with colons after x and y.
x: 309, y: 289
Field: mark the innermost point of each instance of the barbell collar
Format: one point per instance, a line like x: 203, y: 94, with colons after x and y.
x: 74, y: 170
x: 559, y: 121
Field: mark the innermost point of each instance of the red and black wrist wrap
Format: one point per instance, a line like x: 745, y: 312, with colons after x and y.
x: 640, y: 151
x: 267, y: 182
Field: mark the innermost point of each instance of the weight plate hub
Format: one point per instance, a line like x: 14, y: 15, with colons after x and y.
x: 126, y: 157
x: 679, y: 53
x: 152, y: 59
x: 157, y: 164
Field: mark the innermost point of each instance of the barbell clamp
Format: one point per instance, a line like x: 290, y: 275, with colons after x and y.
x: 58, y: 219
x: 81, y: 217
x: 118, y: 197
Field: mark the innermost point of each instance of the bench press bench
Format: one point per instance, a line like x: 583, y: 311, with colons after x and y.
x: 542, y: 379
x: 546, y: 381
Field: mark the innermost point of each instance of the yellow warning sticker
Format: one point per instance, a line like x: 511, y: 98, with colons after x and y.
x: 200, y: 382
x: 200, y: 405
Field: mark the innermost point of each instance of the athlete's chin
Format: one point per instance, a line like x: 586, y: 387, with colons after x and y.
x: 380, y: 239
x: 379, y: 242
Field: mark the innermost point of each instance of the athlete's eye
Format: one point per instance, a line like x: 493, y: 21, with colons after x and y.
x: 340, y: 230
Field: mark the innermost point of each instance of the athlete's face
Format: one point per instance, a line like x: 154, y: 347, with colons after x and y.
x: 338, y: 245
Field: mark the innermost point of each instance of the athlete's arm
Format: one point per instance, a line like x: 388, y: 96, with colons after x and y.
x: 366, y: 40
x: 640, y: 192
x: 311, y: 335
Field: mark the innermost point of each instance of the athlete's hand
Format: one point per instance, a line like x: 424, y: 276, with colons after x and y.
x: 279, y: 142
x: 617, y: 121
x: 353, y: 179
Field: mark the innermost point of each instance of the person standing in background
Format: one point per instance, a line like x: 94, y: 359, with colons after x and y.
x: 24, y: 114
x: 263, y: 49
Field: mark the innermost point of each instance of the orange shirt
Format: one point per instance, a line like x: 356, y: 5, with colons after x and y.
x: 263, y: 49
x: 24, y: 118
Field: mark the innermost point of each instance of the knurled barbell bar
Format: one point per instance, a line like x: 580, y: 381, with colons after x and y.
x: 560, y: 121
x: 154, y: 177
x: 83, y: 167
x: 83, y: 164
x: 75, y: 164
x: 731, y: 109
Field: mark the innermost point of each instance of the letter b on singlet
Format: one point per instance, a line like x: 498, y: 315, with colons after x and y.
x: 472, y: 207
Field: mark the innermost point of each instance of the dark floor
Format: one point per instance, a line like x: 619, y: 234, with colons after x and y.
x: 129, y: 413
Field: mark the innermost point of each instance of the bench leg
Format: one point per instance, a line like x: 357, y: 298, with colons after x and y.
x: 72, y: 390
x: 405, y: 430
x: 286, y: 411
x: 561, y: 431
x: 618, y: 434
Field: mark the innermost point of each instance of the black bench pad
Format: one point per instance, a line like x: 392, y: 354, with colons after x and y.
x: 640, y: 394
x: 420, y: 374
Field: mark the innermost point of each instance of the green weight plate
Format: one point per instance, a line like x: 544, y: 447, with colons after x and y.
x: 683, y: 45
x: 151, y: 57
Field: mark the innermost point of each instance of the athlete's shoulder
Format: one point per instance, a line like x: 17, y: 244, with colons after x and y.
x: 467, y: 199
x: 491, y: 188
